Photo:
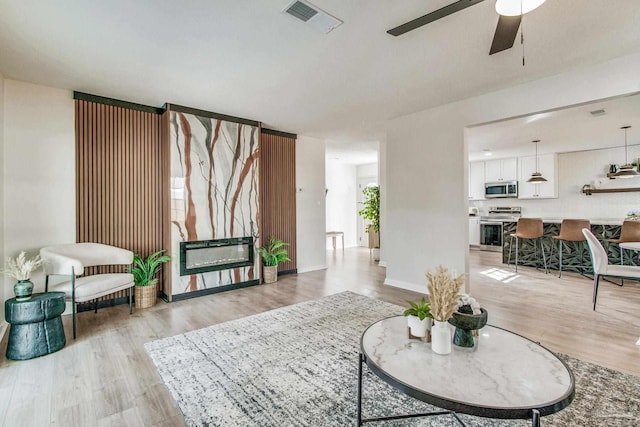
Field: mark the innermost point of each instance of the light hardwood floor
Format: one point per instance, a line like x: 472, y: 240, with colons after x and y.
x: 105, y: 378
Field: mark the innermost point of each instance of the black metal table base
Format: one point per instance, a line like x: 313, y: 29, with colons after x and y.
x: 535, y: 414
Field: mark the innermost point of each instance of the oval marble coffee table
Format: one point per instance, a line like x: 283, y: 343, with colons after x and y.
x: 504, y: 376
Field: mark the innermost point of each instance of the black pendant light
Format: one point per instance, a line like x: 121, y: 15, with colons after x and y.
x: 626, y: 170
x: 536, y: 177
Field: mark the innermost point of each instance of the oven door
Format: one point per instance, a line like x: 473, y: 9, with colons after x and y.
x: 491, y: 236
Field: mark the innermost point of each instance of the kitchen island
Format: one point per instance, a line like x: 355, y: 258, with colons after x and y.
x: 575, y: 255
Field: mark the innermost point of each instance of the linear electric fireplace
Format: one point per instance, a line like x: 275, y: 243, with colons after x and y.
x: 212, y: 255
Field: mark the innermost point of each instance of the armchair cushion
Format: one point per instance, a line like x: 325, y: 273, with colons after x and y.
x: 91, y: 287
x: 59, y: 259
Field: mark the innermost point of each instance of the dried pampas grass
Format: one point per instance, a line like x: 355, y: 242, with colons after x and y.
x: 443, y: 293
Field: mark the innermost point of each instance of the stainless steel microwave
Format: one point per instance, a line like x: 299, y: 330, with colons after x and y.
x: 494, y: 190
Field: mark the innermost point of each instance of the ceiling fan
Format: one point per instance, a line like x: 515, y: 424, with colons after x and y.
x: 510, y: 15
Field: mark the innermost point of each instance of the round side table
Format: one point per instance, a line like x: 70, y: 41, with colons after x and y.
x: 36, y: 326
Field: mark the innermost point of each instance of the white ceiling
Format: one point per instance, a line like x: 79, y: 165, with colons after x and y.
x: 570, y: 129
x: 246, y: 58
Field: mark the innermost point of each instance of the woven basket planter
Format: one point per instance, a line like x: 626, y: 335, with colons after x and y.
x: 270, y: 274
x: 145, y: 296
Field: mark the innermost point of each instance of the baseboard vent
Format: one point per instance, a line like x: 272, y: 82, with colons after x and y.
x: 312, y: 15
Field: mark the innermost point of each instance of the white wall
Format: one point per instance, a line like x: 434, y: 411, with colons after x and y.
x: 39, y: 169
x: 310, y: 204
x: 382, y: 181
x: 426, y: 162
x: 341, y: 202
x: 5, y: 293
x: 575, y: 170
x: 368, y: 170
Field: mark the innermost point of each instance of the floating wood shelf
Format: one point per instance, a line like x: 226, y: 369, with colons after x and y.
x: 589, y: 191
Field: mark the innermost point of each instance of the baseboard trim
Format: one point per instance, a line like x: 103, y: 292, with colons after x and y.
x: 382, y: 264
x: 313, y: 268
x: 408, y: 286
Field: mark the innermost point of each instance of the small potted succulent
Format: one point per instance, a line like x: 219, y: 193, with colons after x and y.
x: 419, y: 317
x: 273, y: 254
x: 21, y: 269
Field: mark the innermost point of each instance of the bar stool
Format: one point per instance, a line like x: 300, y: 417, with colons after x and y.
x: 528, y: 228
x: 571, y: 231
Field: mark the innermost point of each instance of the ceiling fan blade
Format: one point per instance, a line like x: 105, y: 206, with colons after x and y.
x: 506, y: 32
x: 433, y: 16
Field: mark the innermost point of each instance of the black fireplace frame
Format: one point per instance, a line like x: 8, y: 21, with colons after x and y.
x: 200, y: 244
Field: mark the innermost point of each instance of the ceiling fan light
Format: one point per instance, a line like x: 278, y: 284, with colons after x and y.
x: 626, y: 171
x: 536, y: 177
x: 516, y: 7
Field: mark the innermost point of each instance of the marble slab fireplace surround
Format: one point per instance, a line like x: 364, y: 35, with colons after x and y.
x: 214, y: 203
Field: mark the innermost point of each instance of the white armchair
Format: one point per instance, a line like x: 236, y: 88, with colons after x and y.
x: 601, y: 266
x: 71, y: 260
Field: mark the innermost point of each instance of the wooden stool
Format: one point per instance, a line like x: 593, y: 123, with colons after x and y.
x: 630, y: 232
x: 528, y: 228
x: 571, y: 231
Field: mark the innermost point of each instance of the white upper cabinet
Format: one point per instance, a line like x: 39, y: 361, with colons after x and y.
x: 476, y: 181
x: 501, y: 170
x: 548, y: 167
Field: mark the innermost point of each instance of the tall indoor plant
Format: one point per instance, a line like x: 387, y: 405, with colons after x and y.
x: 273, y: 254
x: 371, y: 213
x: 144, y: 272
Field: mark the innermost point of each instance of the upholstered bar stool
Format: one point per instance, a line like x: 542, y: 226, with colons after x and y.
x: 571, y: 231
x: 528, y: 228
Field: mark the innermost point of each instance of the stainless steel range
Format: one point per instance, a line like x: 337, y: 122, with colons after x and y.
x: 491, y: 226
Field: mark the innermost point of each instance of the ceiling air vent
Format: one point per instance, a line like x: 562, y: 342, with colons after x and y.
x: 313, y: 16
x: 597, y: 113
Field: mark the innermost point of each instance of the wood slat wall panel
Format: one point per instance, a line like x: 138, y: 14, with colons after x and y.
x: 120, y: 188
x: 278, y: 192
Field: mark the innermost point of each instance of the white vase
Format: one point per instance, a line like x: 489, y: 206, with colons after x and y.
x: 419, y: 327
x: 441, y: 337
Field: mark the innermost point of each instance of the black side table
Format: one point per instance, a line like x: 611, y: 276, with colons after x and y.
x: 36, y: 326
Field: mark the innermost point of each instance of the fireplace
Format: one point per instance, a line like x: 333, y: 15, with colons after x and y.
x: 212, y: 255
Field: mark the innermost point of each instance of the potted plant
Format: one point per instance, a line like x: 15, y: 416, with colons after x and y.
x: 21, y: 269
x: 419, y: 317
x: 443, y: 294
x: 143, y: 271
x: 273, y: 254
x: 371, y: 212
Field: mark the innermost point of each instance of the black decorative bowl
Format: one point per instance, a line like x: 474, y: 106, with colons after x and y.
x: 465, y: 324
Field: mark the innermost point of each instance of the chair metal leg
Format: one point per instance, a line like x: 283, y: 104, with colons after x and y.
x: 560, y: 258
x: 621, y: 262
x: 517, y: 254
x: 130, y: 306
x: 544, y: 257
x: 596, y: 282
x: 510, y: 247
x: 95, y: 305
x: 73, y: 315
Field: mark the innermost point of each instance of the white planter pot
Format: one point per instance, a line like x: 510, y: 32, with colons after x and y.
x: 375, y: 253
x: 441, y: 337
x: 418, y: 327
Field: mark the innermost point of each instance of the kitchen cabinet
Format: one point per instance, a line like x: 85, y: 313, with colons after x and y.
x: 548, y: 167
x: 474, y: 230
x: 476, y: 181
x: 501, y: 170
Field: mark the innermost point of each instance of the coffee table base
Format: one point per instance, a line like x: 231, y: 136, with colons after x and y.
x: 392, y: 417
x: 535, y: 414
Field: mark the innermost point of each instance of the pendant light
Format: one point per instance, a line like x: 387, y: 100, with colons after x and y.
x: 536, y: 177
x: 517, y: 7
x: 626, y: 170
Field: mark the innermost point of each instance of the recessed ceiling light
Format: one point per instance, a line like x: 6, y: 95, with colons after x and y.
x: 487, y: 152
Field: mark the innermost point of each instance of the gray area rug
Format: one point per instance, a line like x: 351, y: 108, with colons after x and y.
x: 297, y: 366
